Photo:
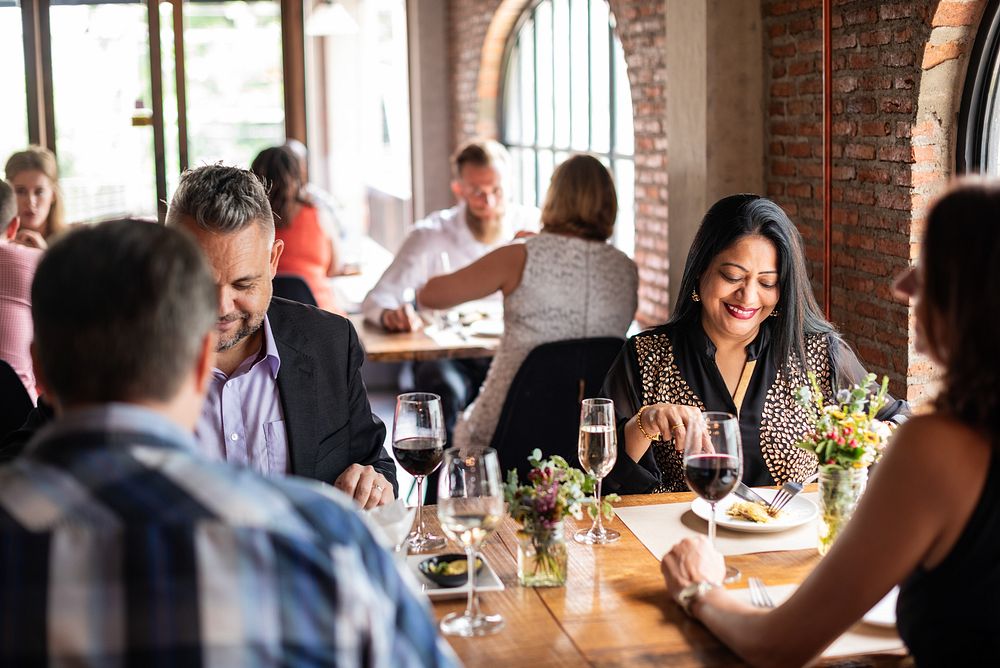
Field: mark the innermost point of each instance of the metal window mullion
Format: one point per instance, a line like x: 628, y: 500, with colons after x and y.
x: 534, y: 101
x: 569, y: 63
x: 612, y: 99
x: 590, y: 78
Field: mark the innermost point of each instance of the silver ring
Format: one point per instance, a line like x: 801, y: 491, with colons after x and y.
x: 378, y: 487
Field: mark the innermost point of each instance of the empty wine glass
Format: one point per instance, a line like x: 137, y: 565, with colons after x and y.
x: 598, y: 451
x: 713, y: 463
x: 470, y: 506
x: 418, y: 438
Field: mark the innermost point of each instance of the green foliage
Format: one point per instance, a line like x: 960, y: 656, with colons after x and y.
x: 554, y: 490
x: 845, y: 434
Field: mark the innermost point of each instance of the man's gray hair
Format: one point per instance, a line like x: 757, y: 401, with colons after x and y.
x: 221, y: 199
x: 8, y: 205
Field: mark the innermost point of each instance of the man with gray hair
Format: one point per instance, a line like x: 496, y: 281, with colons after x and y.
x: 122, y: 545
x: 286, y: 394
x: 17, y: 268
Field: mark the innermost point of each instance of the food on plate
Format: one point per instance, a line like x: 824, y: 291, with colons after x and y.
x: 752, y: 512
x: 457, y: 567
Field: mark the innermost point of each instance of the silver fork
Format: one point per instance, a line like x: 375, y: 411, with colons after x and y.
x: 784, y: 495
x: 759, y: 597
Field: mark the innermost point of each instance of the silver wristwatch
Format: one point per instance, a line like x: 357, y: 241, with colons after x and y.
x: 690, y: 594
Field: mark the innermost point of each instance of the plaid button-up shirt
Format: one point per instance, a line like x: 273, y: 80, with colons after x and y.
x: 120, y: 545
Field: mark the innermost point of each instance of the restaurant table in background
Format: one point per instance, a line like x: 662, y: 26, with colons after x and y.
x: 426, y: 344
x: 614, y: 609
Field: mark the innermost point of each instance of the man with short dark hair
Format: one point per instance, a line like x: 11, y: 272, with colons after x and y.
x: 17, y: 267
x: 286, y: 395
x: 122, y: 544
x: 483, y: 219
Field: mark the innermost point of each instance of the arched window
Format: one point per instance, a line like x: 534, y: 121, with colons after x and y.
x: 565, y: 90
x: 978, y: 149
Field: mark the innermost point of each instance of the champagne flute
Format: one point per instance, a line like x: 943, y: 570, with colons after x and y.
x: 598, y: 451
x: 418, y: 438
x: 713, y: 463
x: 470, y: 506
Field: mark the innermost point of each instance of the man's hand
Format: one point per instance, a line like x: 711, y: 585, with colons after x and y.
x: 365, y: 485
x: 402, y: 319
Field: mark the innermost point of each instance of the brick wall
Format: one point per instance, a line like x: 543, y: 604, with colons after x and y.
x: 478, y: 30
x: 883, y: 168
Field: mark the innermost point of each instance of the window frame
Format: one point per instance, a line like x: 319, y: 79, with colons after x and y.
x: 980, y: 95
x: 612, y: 155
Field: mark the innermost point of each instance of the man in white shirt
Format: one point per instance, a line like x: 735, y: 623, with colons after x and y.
x: 482, y: 220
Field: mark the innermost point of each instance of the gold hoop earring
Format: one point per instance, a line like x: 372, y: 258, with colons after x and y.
x: 694, y: 296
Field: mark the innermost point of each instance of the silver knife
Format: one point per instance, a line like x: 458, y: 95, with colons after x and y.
x: 748, y: 494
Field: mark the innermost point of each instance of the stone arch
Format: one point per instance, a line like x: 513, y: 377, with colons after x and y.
x: 944, y: 65
x: 491, y: 64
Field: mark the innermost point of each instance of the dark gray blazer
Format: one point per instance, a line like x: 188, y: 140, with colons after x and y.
x: 328, y: 419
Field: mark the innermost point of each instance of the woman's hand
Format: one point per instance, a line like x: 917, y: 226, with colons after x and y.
x: 31, y: 239
x: 689, y: 561
x: 670, y: 421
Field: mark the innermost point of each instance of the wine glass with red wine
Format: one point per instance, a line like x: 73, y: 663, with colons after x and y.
x: 418, y: 438
x: 713, y: 463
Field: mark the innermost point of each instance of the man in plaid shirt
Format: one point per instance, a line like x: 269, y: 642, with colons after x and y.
x: 120, y: 545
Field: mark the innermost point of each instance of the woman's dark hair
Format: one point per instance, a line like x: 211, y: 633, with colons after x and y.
x: 278, y: 167
x: 729, y: 220
x: 961, y: 291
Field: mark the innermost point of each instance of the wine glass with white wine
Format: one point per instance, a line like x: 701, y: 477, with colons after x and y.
x: 470, y: 507
x: 598, y: 451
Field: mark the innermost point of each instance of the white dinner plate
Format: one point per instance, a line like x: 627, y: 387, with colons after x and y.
x: 883, y: 613
x: 486, y: 580
x: 486, y: 328
x: 799, y: 511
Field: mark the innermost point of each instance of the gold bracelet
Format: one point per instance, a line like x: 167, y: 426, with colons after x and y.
x: 638, y: 422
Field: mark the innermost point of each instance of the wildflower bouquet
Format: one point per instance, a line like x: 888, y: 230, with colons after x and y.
x: 553, y: 491
x: 846, y: 439
x: 845, y: 434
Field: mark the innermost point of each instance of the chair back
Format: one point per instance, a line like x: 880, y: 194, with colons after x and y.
x: 294, y: 288
x: 14, y: 399
x: 542, y: 408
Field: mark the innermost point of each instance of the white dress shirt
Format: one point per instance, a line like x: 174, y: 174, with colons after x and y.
x: 444, y: 231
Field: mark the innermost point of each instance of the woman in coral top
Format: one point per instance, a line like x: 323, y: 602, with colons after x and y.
x: 310, y: 252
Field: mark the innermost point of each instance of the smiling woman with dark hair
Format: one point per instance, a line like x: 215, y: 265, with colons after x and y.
x: 742, y: 339
x: 930, y: 518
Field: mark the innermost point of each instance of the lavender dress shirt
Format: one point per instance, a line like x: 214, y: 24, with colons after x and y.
x: 242, y: 421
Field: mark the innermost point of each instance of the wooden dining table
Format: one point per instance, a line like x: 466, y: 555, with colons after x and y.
x: 383, y: 346
x: 614, y: 609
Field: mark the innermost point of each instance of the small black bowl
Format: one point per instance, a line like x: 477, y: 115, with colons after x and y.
x: 427, y: 565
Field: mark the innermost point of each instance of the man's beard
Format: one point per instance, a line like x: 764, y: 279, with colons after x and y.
x: 250, y: 324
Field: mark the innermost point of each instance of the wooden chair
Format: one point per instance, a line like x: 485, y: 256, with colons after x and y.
x: 542, y: 409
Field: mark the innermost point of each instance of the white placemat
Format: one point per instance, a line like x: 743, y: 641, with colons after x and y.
x: 659, y: 527
x: 859, y: 639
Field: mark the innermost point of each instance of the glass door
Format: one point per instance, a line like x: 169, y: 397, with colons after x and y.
x: 218, y: 92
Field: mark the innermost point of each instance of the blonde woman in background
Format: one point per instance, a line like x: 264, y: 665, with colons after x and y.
x: 34, y: 175
x: 565, y: 283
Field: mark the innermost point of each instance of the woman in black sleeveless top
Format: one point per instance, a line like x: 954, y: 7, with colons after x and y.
x: 930, y: 520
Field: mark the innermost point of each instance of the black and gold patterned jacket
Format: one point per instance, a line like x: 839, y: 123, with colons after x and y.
x: 676, y: 364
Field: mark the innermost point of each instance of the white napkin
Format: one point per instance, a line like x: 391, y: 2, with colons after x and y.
x: 859, y: 639
x: 391, y: 523
x: 661, y: 526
